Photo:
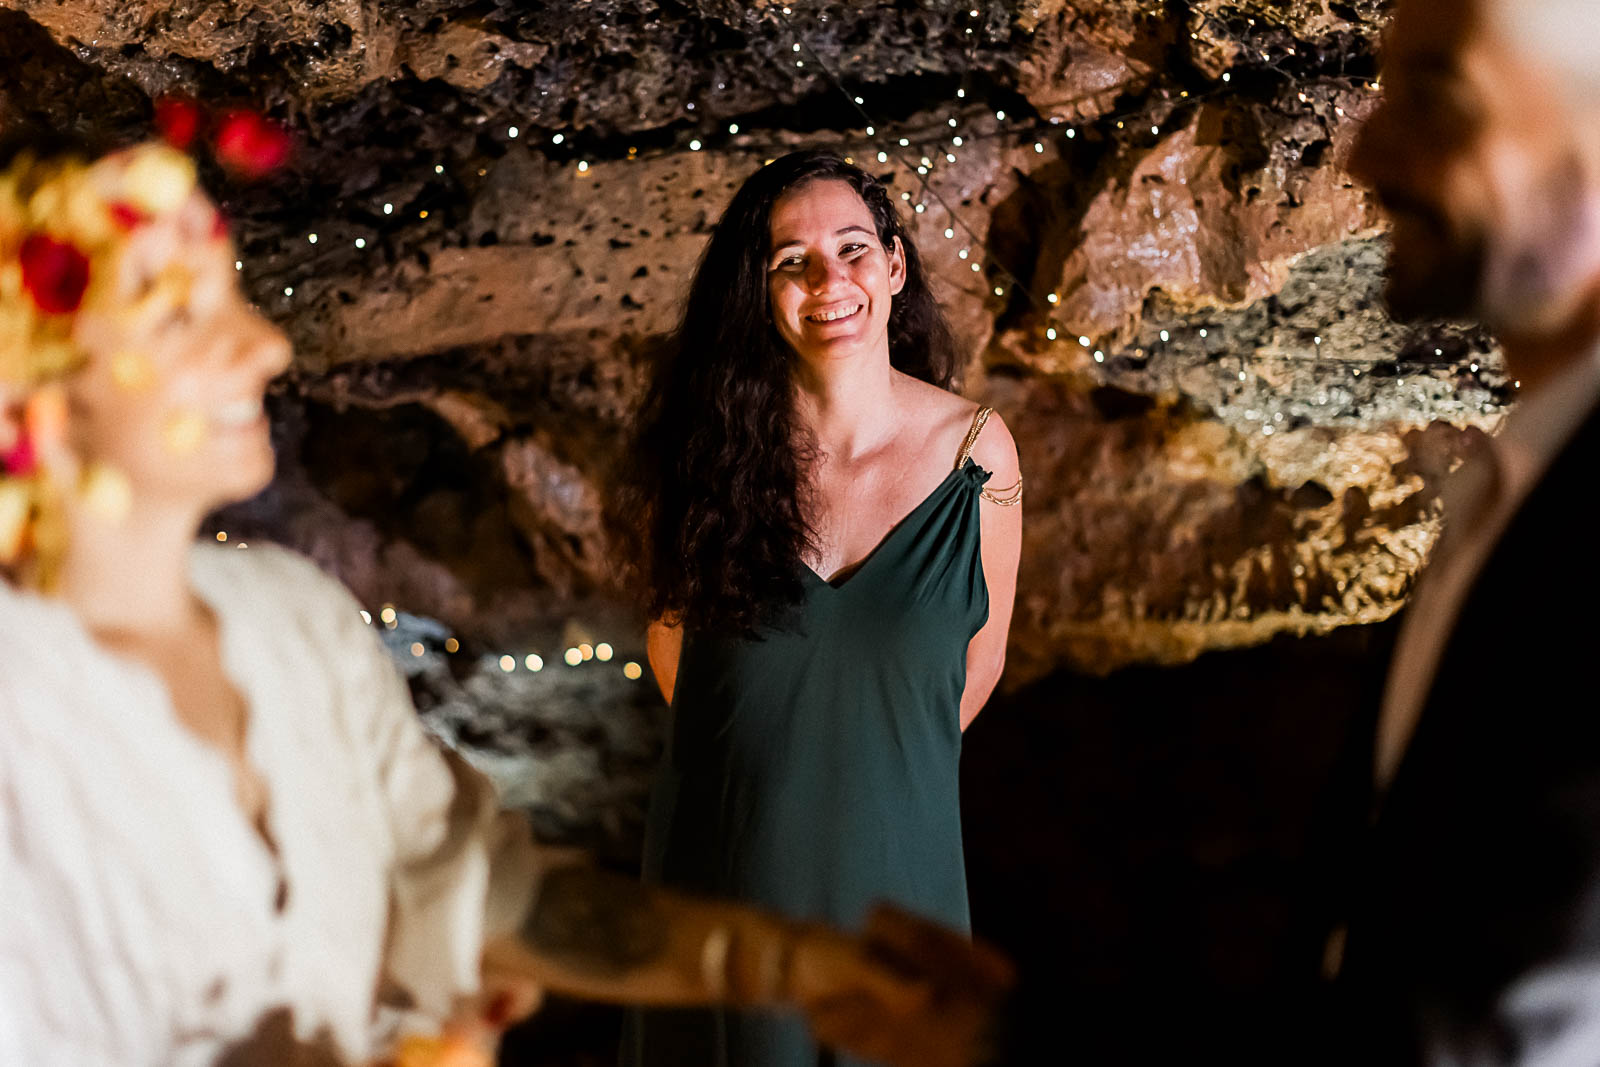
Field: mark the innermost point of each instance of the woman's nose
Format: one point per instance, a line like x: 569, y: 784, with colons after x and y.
x: 264, y: 347
x: 820, y: 273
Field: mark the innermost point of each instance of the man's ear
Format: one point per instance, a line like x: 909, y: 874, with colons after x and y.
x: 897, y: 267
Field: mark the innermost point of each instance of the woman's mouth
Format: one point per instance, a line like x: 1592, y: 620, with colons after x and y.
x: 835, y: 314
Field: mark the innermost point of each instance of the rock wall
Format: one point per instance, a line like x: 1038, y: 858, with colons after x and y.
x: 1135, y: 211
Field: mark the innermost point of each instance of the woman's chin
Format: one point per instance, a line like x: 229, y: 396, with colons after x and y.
x: 252, y: 480
x: 237, y: 477
x: 832, y: 347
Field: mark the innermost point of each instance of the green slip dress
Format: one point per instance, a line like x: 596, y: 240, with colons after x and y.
x: 813, y: 771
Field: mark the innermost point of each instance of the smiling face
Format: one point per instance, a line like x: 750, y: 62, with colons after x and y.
x: 830, y: 281
x: 1489, y: 182
x: 177, y: 367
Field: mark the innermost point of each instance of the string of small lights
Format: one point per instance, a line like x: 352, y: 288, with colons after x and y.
x: 922, y: 154
x: 1052, y: 329
x: 925, y: 166
x: 394, y: 218
x: 533, y: 662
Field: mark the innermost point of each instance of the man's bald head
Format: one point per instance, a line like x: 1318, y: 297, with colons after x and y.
x: 1561, y: 38
x: 1486, y: 151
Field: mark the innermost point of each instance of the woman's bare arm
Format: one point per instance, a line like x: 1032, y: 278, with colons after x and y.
x: 996, y: 452
x: 663, y: 644
x: 600, y: 936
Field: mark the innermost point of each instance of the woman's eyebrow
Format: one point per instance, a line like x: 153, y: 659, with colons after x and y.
x: 791, y: 242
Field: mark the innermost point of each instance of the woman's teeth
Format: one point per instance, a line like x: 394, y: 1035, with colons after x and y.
x: 830, y: 316
x: 238, y: 413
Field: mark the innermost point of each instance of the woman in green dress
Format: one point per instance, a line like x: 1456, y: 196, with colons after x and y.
x: 829, y: 537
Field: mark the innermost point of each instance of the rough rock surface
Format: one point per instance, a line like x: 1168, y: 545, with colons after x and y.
x: 1167, y: 283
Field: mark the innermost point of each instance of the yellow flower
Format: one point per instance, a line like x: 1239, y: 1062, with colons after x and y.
x: 46, y: 206
x: 16, y: 339
x: 16, y: 508
x: 10, y: 281
x: 158, y: 179
x: 86, y: 216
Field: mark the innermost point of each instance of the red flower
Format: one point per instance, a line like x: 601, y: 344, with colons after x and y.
x: 249, y: 145
x: 178, y: 118
x: 20, y: 461
x: 126, y: 216
x: 55, y: 273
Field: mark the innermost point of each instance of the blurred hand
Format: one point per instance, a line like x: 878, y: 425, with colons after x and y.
x: 920, y: 995
x: 449, y: 1050
x: 505, y: 996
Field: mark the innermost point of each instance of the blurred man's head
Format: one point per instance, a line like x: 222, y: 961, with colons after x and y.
x: 1486, y: 151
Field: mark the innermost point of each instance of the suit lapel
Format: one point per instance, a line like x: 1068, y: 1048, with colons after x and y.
x: 1530, y: 549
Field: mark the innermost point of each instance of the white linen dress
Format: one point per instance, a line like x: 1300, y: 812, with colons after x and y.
x: 144, y: 920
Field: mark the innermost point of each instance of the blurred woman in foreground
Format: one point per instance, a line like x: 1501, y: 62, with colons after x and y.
x: 220, y: 822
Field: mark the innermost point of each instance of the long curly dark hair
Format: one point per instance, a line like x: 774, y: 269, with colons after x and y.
x: 716, y: 500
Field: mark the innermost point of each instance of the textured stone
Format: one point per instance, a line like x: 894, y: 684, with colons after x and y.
x: 1156, y: 533
x: 1082, y: 57
x: 1212, y: 213
x: 1246, y: 445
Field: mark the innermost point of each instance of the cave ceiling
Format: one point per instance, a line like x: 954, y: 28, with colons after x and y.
x: 1135, y: 212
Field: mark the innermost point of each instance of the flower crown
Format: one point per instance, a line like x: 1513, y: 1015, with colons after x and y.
x: 62, y: 225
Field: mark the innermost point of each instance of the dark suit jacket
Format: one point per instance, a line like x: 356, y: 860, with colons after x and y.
x: 1477, y: 933
x: 1473, y: 901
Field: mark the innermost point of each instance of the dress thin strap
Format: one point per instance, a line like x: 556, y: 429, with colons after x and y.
x: 1006, y: 498
x: 972, y: 435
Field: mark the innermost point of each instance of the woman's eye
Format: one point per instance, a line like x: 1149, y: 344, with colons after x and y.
x: 790, y: 263
x: 851, y: 249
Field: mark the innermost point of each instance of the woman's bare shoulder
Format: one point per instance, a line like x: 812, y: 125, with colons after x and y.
x: 995, y: 451
x: 949, y: 416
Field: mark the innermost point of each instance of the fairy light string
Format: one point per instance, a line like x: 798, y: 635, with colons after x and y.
x: 923, y: 167
x: 1270, y: 422
x: 958, y: 129
x: 532, y: 662
x: 923, y: 153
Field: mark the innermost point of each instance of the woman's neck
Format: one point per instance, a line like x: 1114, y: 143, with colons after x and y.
x: 848, y: 405
x: 132, y: 576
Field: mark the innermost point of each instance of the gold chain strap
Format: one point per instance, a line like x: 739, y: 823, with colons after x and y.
x: 972, y: 435
x: 1006, y: 498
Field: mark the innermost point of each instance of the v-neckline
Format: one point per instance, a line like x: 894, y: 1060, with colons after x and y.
x: 263, y: 824
x: 262, y: 831
x: 845, y: 576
